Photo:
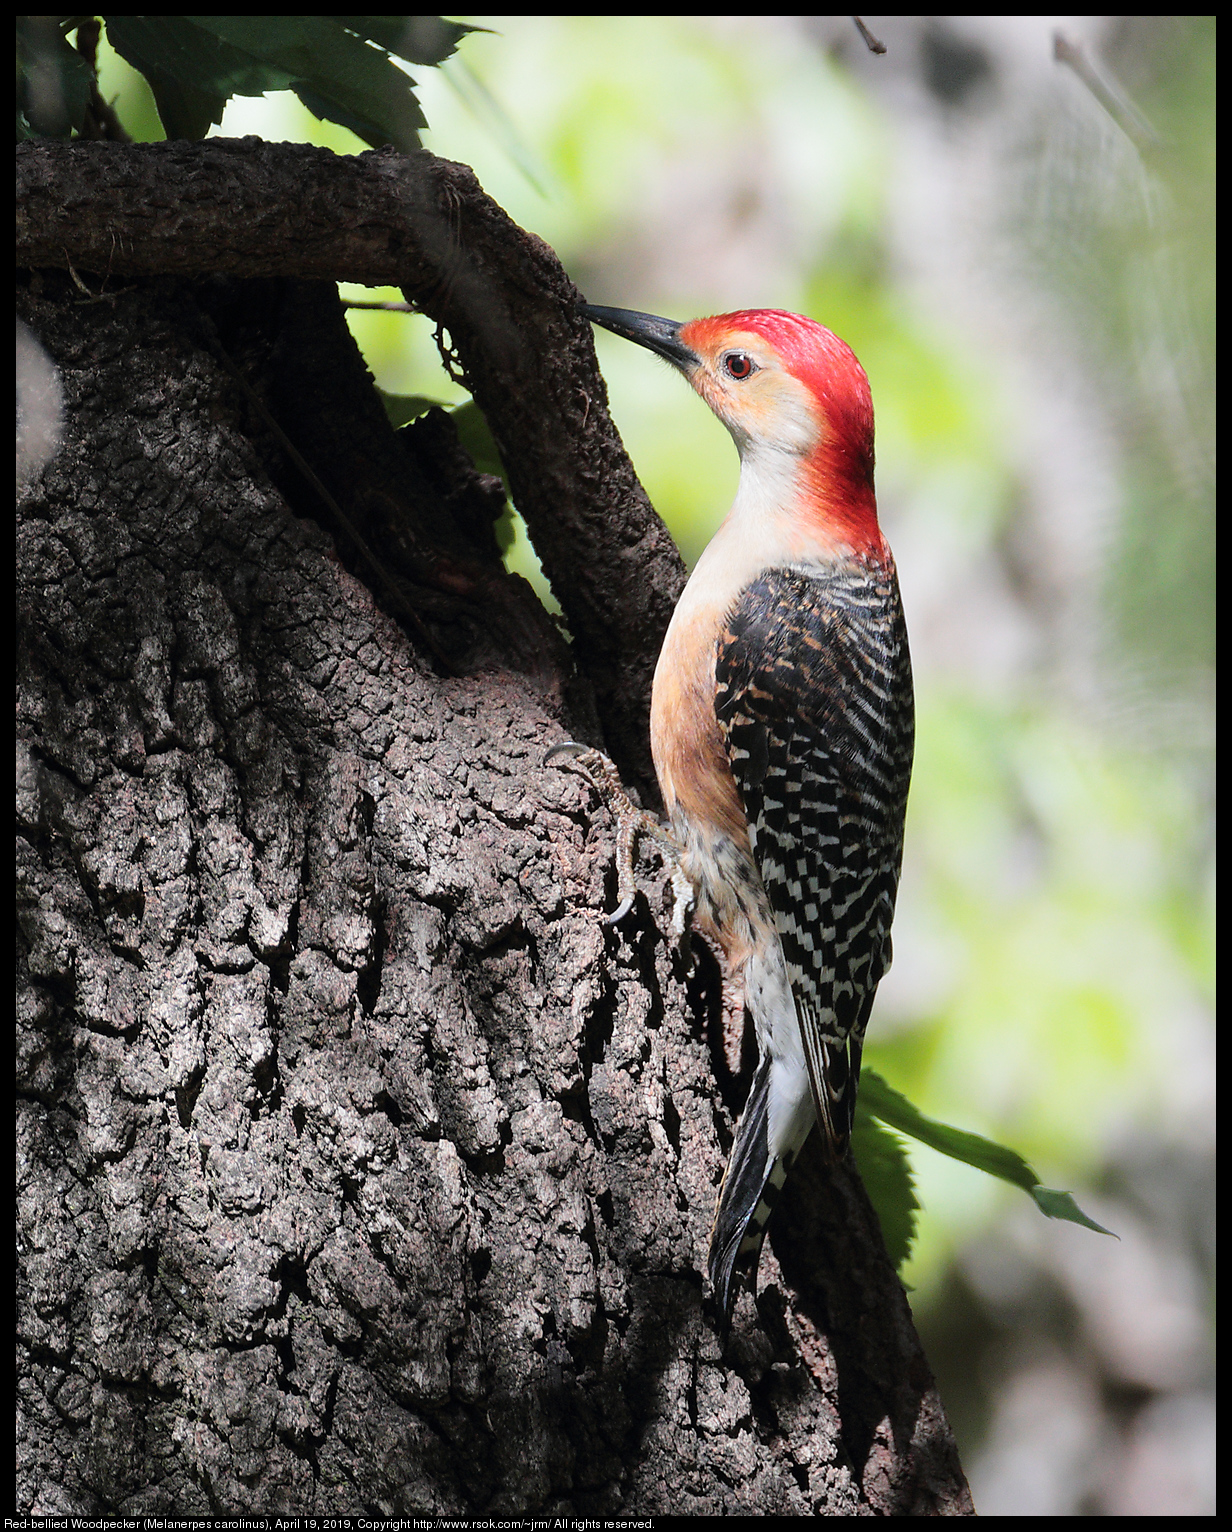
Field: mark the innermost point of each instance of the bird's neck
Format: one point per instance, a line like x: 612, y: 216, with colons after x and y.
x: 817, y: 507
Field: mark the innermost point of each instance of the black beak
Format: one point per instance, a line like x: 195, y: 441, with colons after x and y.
x: 662, y: 336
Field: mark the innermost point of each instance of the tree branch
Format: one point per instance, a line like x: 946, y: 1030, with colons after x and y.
x: 424, y: 225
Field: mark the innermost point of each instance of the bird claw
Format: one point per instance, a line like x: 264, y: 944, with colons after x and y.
x: 631, y: 823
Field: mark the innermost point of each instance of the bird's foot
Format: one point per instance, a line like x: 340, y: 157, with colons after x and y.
x: 632, y: 823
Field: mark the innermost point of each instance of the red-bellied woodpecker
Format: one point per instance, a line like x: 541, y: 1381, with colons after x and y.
x: 781, y: 727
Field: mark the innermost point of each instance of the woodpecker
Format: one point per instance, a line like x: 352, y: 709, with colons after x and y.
x: 782, y: 727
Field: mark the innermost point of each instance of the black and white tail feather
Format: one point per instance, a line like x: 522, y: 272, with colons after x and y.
x: 751, y: 1186
x: 755, y: 1177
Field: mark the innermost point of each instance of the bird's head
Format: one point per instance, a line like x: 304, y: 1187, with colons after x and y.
x: 792, y: 394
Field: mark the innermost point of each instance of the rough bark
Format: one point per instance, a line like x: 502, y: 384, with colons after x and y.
x: 362, y: 1169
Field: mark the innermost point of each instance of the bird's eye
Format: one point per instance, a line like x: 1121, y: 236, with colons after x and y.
x: 738, y: 365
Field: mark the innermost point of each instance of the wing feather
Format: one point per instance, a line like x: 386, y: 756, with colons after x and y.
x: 814, y: 701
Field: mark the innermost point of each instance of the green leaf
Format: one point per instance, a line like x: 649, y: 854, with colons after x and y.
x: 191, y: 74
x: 417, y: 39
x: 401, y: 409
x: 184, y: 111
x: 1062, y: 1205
x: 884, y: 1102
x: 196, y: 63
x: 199, y: 58
x: 885, y: 1169
x: 477, y: 438
x: 332, y: 70
x: 363, y: 127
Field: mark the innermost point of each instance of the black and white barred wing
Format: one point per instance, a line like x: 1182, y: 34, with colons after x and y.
x: 814, y: 699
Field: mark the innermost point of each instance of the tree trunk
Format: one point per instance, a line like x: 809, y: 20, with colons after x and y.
x: 363, y: 1169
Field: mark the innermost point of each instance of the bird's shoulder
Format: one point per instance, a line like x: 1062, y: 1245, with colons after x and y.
x: 804, y: 637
